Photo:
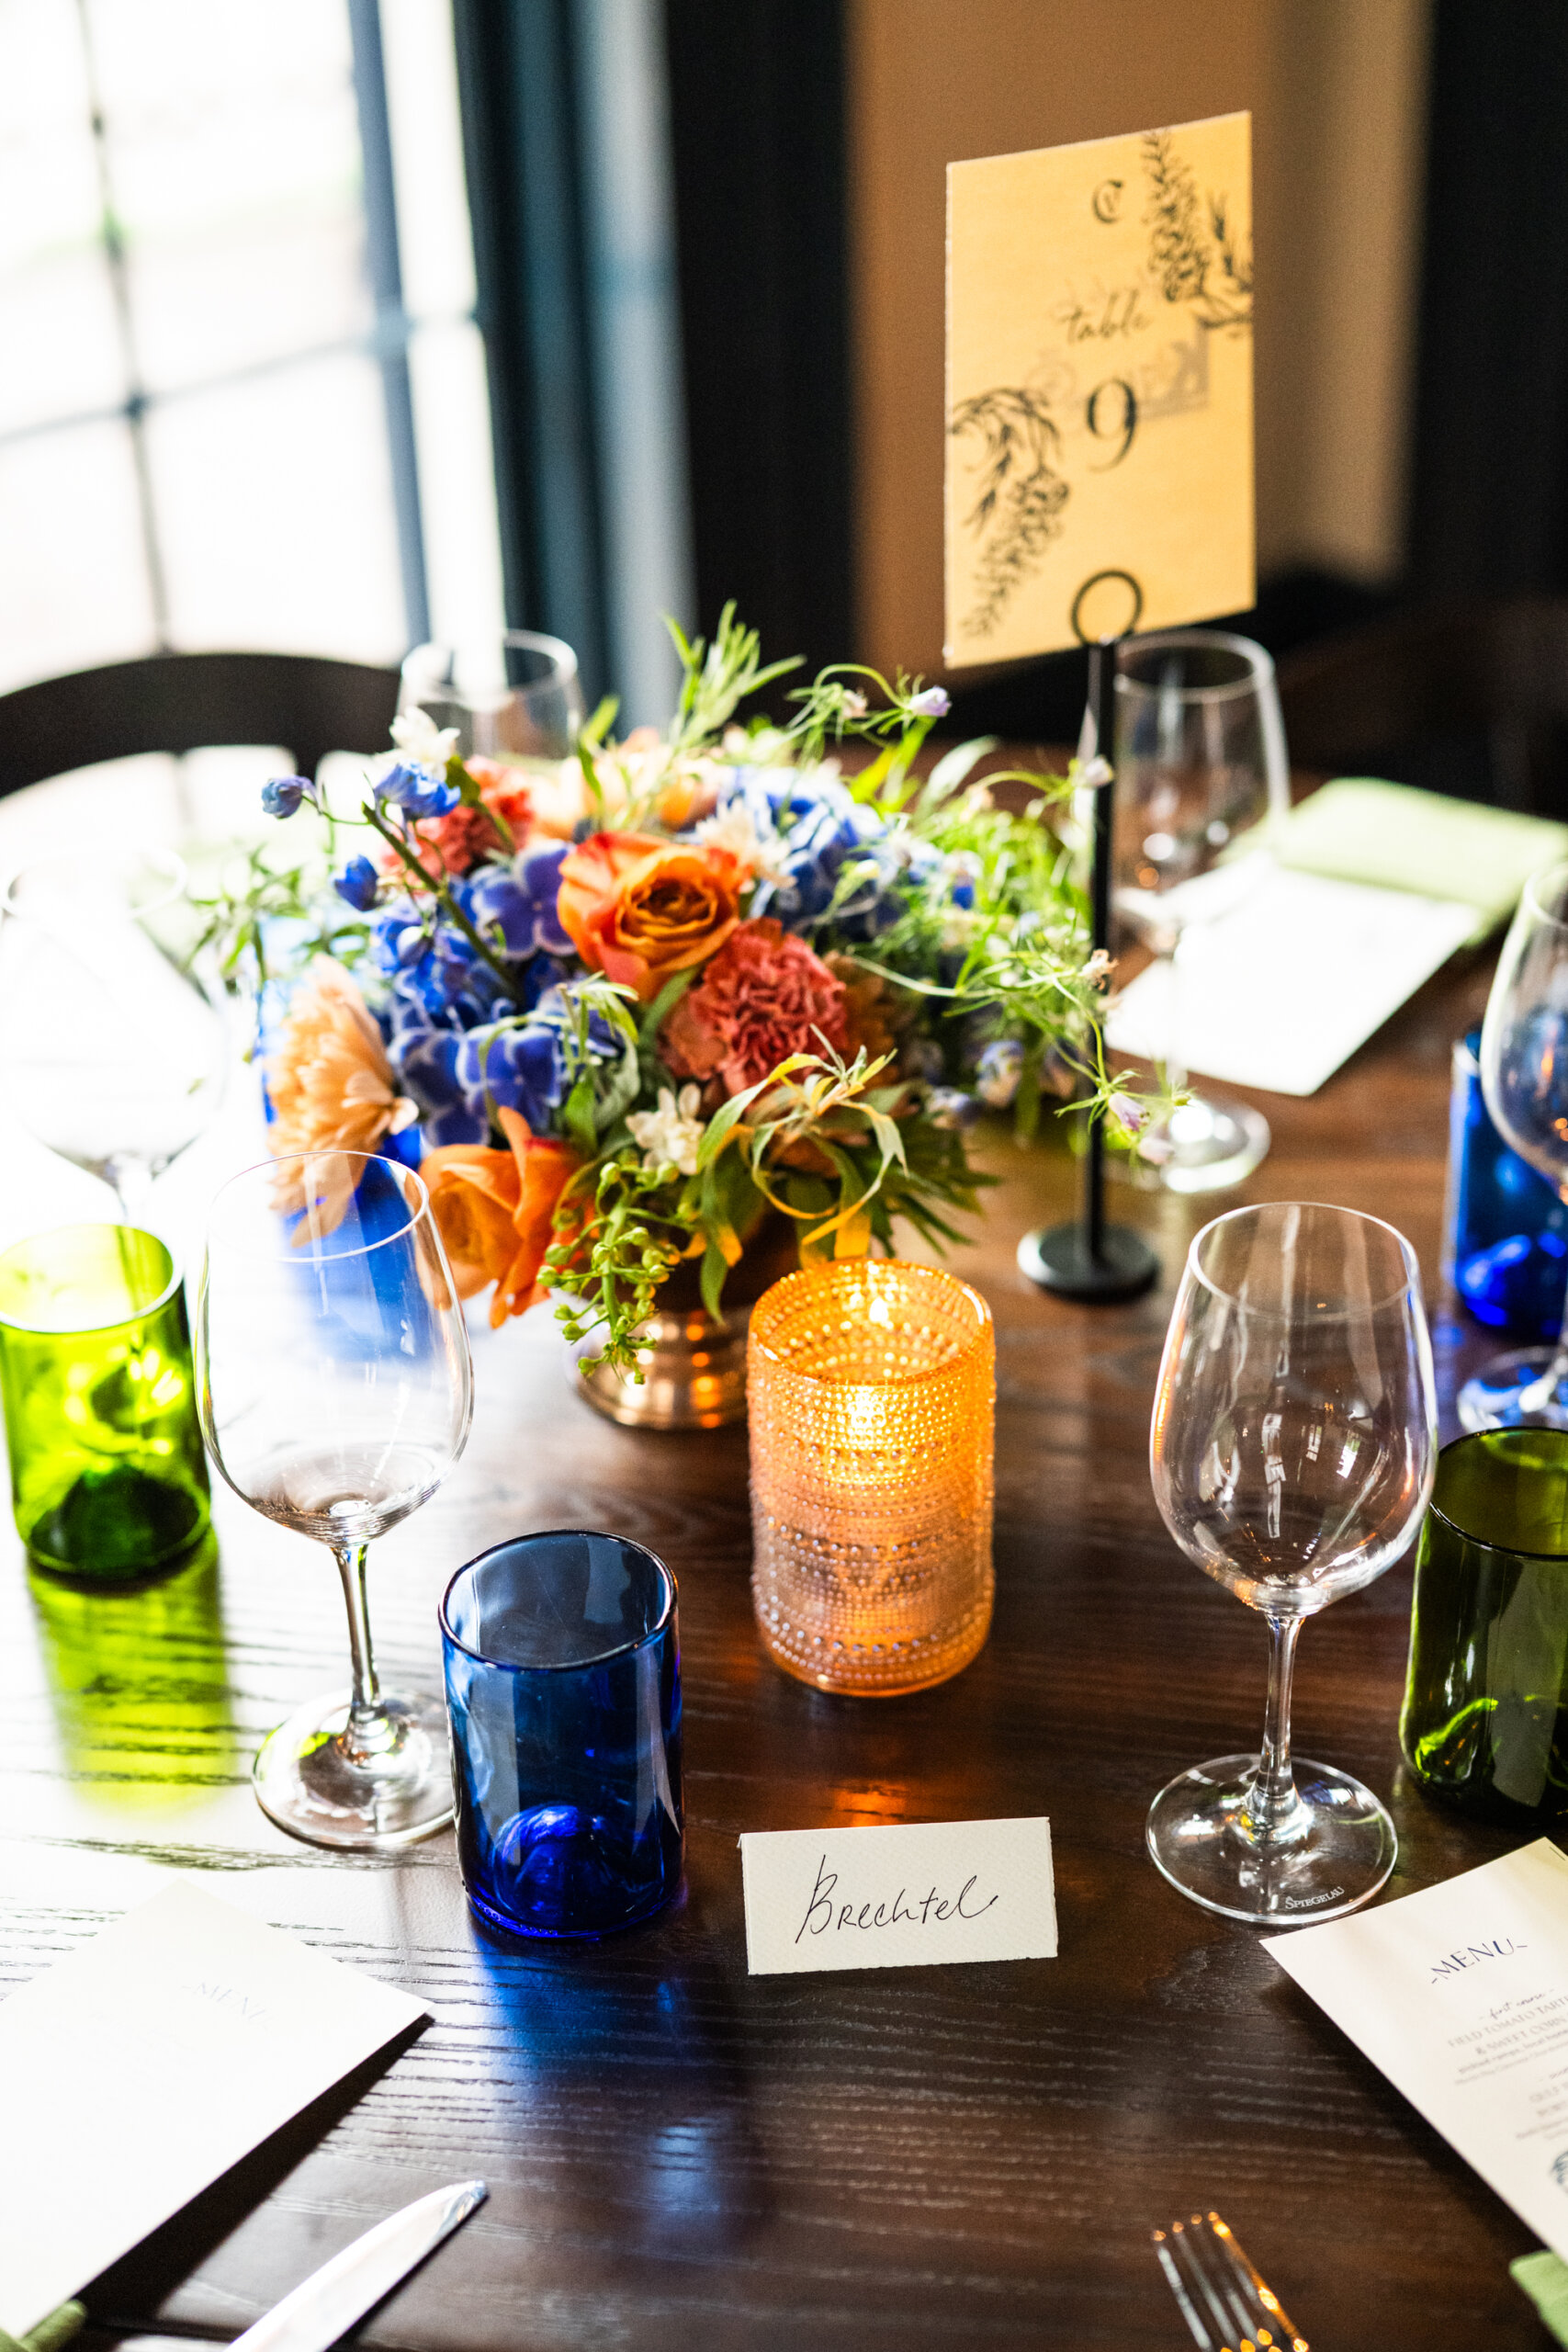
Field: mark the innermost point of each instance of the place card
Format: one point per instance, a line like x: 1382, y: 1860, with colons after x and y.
x: 914, y: 1895
x: 1099, y: 388
x: 139, y: 2068
x: 1459, y: 1994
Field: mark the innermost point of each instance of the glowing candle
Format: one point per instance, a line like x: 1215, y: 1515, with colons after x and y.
x: 872, y: 1392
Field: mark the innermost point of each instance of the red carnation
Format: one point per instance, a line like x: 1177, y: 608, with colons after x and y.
x: 764, y: 995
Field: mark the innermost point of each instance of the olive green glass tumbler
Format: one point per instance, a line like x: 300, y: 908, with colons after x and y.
x: 108, y: 1477
x: 1485, y: 1727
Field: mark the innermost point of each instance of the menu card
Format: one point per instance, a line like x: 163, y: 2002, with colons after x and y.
x: 141, y: 2068
x: 1459, y: 1994
x: 1283, y: 988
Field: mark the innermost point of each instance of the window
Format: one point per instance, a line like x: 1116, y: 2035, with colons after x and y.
x: 243, y: 398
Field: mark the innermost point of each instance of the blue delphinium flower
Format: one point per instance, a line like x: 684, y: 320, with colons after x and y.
x: 424, y: 1054
x: 820, y: 828
x: 949, y: 1107
x: 282, y: 795
x: 358, y: 883
x: 517, y: 901
x: 1000, y: 1069
x: 519, y: 1067
x: 417, y: 791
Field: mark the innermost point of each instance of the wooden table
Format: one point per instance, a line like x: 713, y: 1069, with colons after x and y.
x: 678, y: 2156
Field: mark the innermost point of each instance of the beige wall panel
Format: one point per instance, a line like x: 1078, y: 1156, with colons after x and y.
x: 1336, y: 92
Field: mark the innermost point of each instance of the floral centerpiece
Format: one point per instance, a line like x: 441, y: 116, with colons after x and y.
x: 625, y: 1009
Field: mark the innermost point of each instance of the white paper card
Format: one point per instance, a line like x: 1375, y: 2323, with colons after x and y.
x: 137, y: 2070
x: 1459, y: 1994
x: 912, y: 1895
x: 1284, y: 989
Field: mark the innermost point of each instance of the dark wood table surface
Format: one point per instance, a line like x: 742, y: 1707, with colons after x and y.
x: 678, y: 2155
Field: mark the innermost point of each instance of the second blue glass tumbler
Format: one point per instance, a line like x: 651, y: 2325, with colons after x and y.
x: 563, y: 1685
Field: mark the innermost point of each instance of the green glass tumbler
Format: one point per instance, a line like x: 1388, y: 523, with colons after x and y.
x: 108, y: 1477
x: 1484, y: 1725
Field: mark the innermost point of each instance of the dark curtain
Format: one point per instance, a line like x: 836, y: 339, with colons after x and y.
x: 757, y: 120
x: 518, y: 71
x: 1489, y: 476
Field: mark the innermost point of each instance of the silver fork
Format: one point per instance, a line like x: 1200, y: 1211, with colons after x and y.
x: 1227, y: 2304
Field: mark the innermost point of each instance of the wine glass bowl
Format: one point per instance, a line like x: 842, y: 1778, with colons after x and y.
x: 518, y: 696
x: 113, y: 1040
x: 1202, y: 774
x: 335, y: 1393
x: 1524, y: 1078
x: 1291, y: 1450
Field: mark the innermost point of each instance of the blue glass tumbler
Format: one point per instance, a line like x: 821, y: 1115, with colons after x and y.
x: 563, y: 1687
x: 1505, y: 1232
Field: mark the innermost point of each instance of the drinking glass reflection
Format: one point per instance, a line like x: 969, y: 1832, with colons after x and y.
x: 336, y: 1393
x: 1292, y: 1449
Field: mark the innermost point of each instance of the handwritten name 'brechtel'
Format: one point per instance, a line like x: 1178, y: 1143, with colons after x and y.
x: 927, y: 1910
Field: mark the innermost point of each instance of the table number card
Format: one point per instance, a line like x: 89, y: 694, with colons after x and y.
x: 1099, y: 388
x: 912, y: 1895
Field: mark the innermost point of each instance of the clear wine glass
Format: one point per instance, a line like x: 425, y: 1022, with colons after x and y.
x: 1202, y: 777
x: 335, y: 1392
x: 517, y: 695
x: 1293, y: 1449
x: 1524, y: 1077
x: 113, y: 1038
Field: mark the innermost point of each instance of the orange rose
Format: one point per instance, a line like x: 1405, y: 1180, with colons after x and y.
x: 494, y: 1211
x: 638, y: 909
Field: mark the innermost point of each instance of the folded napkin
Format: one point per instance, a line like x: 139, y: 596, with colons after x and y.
x: 1358, y: 829
x: 1544, y: 2279
x: 50, y: 2334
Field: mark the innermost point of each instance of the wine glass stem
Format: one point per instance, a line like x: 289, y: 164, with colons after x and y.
x: 1542, y: 1390
x: 1175, y: 1066
x: 1272, y: 1800
x: 366, y: 1724
x: 131, y: 1180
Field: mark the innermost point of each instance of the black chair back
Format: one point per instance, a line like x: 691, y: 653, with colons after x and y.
x: 182, y: 702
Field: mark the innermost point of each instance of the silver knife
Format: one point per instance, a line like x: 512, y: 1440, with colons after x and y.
x: 328, y: 2303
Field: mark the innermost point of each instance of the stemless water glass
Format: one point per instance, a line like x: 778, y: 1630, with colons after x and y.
x: 112, y: 1044
x: 563, y: 1682
x: 1293, y: 1448
x: 336, y: 1391
x: 518, y: 695
x: 1524, y: 1077
x: 1202, y: 776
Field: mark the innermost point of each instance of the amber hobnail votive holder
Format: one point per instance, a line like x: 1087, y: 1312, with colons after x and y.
x: 872, y: 1392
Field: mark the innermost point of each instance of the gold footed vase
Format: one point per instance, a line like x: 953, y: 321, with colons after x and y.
x: 693, y: 1363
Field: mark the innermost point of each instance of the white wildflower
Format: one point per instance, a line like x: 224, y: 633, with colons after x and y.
x: 1098, y: 968
x: 419, y: 738
x: 668, y: 1136
x: 734, y: 829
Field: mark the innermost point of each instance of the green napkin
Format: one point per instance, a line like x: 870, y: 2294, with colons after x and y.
x: 63, y: 2324
x: 1545, y: 2280
x: 1358, y: 829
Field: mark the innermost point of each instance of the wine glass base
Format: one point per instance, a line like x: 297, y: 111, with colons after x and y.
x: 1211, y: 1145
x: 1513, y: 1392
x: 1340, y: 1850
x: 306, y: 1780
